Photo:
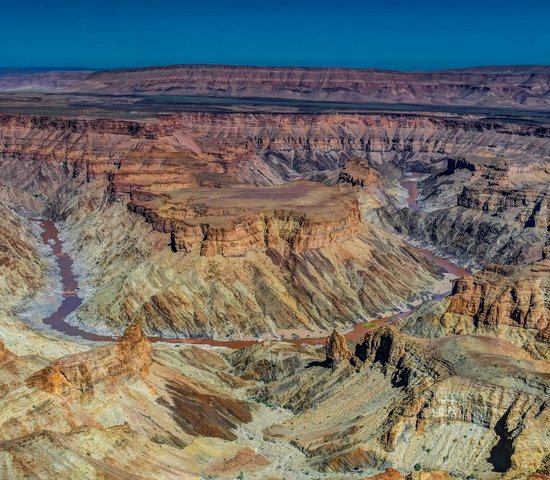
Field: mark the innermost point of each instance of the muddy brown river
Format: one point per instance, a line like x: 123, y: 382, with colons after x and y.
x: 71, y: 301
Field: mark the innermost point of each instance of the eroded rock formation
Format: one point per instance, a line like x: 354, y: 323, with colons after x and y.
x: 131, y: 355
x: 336, y: 348
x: 504, y: 301
x: 482, y: 209
x: 418, y: 403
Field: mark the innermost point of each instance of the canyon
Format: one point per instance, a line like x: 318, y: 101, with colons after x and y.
x: 259, y: 290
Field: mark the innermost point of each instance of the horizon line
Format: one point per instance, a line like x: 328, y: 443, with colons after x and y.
x: 7, y: 69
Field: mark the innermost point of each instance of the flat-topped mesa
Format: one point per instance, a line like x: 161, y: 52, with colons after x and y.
x: 502, y: 86
x: 357, y: 173
x: 294, y: 217
x: 131, y: 356
x: 505, y: 295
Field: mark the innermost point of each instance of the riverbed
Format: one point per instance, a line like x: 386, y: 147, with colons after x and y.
x: 71, y: 299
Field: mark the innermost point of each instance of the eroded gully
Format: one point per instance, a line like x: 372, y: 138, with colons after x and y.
x: 71, y: 301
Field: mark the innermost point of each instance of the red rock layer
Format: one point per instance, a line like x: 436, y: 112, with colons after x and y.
x: 506, y: 295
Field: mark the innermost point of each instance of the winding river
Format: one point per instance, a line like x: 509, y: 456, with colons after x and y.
x: 71, y: 301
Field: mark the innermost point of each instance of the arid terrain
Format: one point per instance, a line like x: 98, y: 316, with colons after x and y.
x: 269, y: 273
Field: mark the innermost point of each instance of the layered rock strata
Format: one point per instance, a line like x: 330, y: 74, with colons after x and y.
x: 504, y: 301
x: 482, y: 209
x: 496, y: 86
x: 296, y: 217
x: 468, y: 405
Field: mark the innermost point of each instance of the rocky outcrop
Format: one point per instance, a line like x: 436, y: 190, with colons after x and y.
x: 22, y: 268
x: 130, y: 356
x: 294, y: 217
x: 336, y: 349
x: 499, y: 295
x: 509, y: 302
x: 261, y: 292
x: 482, y: 209
x: 123, y: 411
x: 513, y: 189
x: 389, y: 474
x: 418, y: 403
x: 357, y: 173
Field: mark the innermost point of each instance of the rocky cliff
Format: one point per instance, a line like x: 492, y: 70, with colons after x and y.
x: 482, y: 209
x: 419, y: 404
x: 196, y: 149
x: 130, y: 356
x: 22, y: 268
x: 249, y: 287
x: 509, y: 302
x: 200, y: 180
x: 295, y: 217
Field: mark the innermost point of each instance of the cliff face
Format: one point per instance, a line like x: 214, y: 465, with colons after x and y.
x: 513, y: 86
x: 503, y: 301
x: 419, y: 403
x: 482, y: 209
x: 295, y: 217
x: 506, y: 296
x: 200, y: 181
x: 252, y: 286
x: 196, y: 149
x: 22, y: 268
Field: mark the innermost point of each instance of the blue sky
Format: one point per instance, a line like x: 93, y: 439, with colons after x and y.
x: 398, y: 34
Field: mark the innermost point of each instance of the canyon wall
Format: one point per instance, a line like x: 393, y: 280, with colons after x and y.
x: 482, y: 209
x: 213, y: 185
x: 263, y: 149
x: 497, y: 86
x: 468, y: 405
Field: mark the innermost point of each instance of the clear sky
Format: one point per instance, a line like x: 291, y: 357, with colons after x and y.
x: 396, y: 34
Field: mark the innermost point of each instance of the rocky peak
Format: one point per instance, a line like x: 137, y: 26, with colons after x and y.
x: 134, y: 350
x: 130, y: 357
x: 336, y: 348
x: 403, y: 356
x: 357, y: 172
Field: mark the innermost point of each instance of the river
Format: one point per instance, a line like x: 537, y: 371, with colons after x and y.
x: 71, y: 300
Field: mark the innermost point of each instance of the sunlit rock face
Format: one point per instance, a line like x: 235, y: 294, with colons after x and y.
x: 417, y: 403
x: 505, y: 301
